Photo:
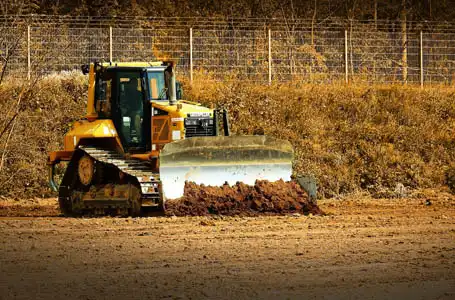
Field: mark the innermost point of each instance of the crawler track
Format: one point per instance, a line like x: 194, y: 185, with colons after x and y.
x: 120, y: 185
x: 140, y: 170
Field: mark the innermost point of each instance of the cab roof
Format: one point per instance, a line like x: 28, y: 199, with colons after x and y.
x: 141, y: 64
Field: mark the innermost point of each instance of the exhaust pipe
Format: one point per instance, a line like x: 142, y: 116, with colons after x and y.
x: 171, y: 83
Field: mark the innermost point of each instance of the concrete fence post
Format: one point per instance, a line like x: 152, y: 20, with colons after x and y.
x: 191, y: 55
x: 270, y: 55
x: 421, y: 60
x: 110, y: 43
x: 29, y: 63
x: 346, y: 64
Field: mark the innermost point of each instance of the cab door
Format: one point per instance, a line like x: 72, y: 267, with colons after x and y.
x: 130, y: 118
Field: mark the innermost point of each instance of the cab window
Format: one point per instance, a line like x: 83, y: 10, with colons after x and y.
x: 157, y: 90
x: 103, y: 94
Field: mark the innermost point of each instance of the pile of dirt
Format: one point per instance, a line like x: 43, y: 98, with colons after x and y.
x: 270, y: 198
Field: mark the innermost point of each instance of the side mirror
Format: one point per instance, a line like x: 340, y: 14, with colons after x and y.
x: 179, y: 90
x: 85, y: 69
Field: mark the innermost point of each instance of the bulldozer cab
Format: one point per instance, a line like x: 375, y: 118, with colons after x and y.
x: 124, y: 94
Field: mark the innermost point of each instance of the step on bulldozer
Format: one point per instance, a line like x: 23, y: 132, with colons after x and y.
x: 140, y: 141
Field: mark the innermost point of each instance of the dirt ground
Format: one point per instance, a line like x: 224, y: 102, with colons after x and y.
x: 362, y: 249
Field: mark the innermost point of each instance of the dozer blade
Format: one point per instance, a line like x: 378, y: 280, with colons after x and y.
x: 219, y: 159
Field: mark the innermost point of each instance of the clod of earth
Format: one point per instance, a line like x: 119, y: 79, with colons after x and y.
x: 269, y: 198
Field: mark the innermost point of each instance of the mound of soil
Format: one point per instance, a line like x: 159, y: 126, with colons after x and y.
x: 272, y: 198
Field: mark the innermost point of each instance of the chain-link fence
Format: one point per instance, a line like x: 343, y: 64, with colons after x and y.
x: 256, y: 51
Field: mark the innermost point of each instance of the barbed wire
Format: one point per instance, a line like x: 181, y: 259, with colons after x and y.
x: 220, y: 22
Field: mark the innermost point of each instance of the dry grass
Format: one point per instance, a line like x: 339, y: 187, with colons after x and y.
x: 352, y: 138
x: 45, y: 113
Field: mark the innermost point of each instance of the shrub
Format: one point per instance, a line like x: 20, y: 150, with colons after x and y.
x: 351, y: 138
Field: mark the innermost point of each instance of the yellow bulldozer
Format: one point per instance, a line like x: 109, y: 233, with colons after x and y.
x: 140, y: 141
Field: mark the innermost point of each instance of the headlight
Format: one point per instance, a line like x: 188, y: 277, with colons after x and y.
x: 199, y: 114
